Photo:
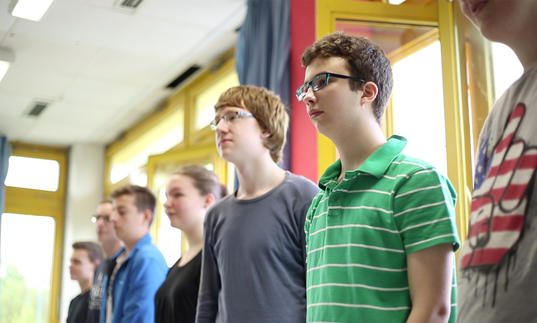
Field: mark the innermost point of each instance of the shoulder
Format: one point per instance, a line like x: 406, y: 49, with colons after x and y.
x: 220, y: 206
x: 528, y: 81
x: 404, y: 164
x: 218, y: 213
x: 76, y: 299
x: 300, y: 185
x: 411, y: 171
x: 523, y: 91
x: 149, y: 253
x: 223, y: 202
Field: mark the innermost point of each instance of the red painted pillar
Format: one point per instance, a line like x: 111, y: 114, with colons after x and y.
x: 303, y: 133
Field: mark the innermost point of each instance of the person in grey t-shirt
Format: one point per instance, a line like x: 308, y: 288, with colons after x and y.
x: 253, y: 262
x: 498, y: 261
x: 110, y: 245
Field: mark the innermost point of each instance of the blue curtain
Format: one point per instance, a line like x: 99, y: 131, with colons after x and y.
x: 4, y: 161
x: 263, y: 52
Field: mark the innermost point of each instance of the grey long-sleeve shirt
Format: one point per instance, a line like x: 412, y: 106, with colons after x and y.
x: 253, y: 267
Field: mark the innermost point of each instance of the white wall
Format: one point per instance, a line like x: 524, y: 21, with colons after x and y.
x: 85, y: 176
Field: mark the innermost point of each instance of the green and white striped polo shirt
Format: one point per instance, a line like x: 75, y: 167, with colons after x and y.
x: 359, y: 232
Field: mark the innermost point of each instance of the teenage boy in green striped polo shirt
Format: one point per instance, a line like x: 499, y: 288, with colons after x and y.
x: 381, y: 234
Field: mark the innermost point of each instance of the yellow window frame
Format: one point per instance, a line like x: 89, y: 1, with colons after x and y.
x: 43, y: 203
x: 222, y: 70
x: 128, y: 141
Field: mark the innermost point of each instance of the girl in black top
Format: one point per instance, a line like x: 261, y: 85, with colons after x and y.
x: 190, y: 192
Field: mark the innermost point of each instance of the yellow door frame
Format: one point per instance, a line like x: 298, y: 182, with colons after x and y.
x: 43, y: 203
x: 458, y: 133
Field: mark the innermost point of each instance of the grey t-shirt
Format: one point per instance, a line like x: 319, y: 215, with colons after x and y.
x: 498, y: 276
x: 253, y: 267
x: 96, y: 293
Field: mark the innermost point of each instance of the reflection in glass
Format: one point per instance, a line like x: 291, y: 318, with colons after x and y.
x: 390, y: 37
x: 26, y: 255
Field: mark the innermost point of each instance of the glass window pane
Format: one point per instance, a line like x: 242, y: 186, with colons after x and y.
x: 33, y: 173
x: 169, y: 238
x: 414, y: 52
x: 26, y: 255
x: 489, y: 67
x: 204, y: 103
x: 129, y: 161
x: 506, y: 68
x: 414, y: 117
x: 391, y: 37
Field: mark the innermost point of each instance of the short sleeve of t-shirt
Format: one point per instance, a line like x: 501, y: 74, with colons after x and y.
x: 424, y: 211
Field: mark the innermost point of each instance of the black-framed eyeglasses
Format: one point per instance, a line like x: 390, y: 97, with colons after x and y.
x: 96, y: 218
x: 229, y: 117
x: 319, y: 82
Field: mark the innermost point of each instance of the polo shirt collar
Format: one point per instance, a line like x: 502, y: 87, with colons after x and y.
x: 376, y: 164
x: 379, y: 161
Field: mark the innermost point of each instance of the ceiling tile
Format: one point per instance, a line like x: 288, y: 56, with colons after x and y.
x: 101, y: 67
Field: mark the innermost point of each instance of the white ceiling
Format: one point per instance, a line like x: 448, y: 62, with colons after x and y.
x: 102, y: 67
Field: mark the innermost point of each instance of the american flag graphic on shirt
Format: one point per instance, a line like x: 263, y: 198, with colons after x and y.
x: 500, y: 196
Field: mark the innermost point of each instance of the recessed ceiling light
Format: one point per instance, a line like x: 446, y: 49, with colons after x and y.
x: 29, y: 9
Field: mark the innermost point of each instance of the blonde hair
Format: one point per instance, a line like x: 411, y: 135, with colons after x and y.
x: 267, y: 108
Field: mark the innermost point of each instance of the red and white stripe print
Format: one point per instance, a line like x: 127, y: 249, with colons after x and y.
x: 498, y: 205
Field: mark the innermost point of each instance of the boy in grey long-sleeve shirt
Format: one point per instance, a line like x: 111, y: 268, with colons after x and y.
x: 253, y: 266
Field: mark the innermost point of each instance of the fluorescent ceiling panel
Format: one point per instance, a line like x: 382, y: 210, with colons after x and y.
x: 30, y: 9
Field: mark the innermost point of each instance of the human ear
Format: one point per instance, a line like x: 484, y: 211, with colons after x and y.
x: 148, y: 215
x: 369, y: 92
x: 209, y: 200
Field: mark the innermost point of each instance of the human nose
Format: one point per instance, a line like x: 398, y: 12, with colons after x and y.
x: 222, y: 126
x: 113, y: 217
x: 102, y: 220
x: 167, y: 203
x: 309, y: 97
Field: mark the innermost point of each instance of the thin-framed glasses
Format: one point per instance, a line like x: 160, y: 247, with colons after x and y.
x: 96, y: 218
x: 319, y: 82
x: 229, y: 117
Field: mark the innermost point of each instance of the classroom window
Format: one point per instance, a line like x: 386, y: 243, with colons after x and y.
x: 204, y: 102
x: 506, y: 68
x: 33, y: 173
x: 26, y: 258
